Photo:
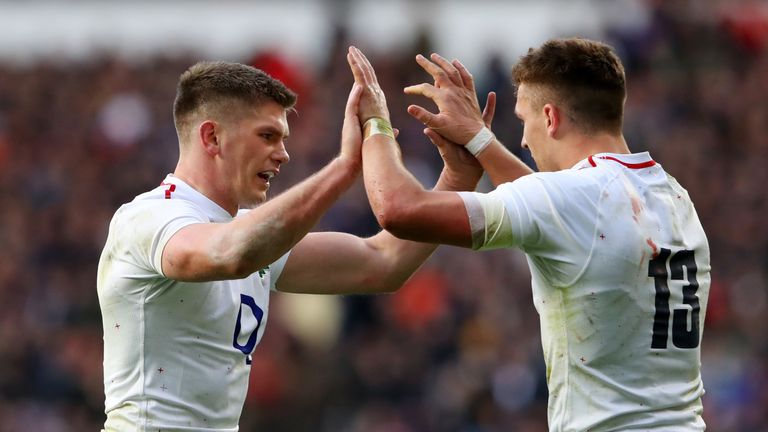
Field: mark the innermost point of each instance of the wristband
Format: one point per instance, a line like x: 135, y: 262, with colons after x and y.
x: 377, y: 126
x: 480, y: 141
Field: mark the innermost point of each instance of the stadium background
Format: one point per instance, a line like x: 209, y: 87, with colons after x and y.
x: 85, y: 124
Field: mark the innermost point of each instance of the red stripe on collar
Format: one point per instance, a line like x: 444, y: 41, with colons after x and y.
x: 646, y: 164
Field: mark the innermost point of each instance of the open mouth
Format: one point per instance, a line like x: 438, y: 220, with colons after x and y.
x: 267, y: 175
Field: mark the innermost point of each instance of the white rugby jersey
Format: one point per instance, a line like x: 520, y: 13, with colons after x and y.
x: 620, y: 275
x: 176, y: 354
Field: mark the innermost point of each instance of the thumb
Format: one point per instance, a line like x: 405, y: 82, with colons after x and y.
x: 490, y: 109
x: 422, y: 115
x: 437, y: 139
x: 354, y: 98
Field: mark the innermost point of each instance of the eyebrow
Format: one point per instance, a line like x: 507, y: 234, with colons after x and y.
x: 273, y: 130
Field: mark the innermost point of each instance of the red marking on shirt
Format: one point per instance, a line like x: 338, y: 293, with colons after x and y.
x: 646, y: 164
x: 171, y: 189
x: 602, y: 236
x: 637, y: 207
x: 117, y: 326
x: 161, y: 370
x: 653, y: 246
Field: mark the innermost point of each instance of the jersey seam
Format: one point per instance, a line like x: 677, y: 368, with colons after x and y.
x: 555, y: 211
x: 566, y: 411
x: 594, y: 236
x: 143, y: 417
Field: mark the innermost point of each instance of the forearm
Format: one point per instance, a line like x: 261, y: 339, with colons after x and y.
x: 387, y: 182
x: 262, y: 235
x: 403, y: 207
x: 401, y: 258
x: 501, y: 165
x: 450, y: 181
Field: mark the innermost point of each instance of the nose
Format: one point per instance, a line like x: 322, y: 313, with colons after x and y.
x: 281, y: 154
x: 524, y: 143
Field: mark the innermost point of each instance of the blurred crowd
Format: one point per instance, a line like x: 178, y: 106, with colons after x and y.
x: 456, y: 349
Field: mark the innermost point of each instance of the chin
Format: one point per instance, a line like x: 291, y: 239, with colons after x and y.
x: 253, y: 201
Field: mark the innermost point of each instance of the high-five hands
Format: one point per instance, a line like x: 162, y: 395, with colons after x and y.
x: 373, y: 103
x: 351, y: 135
x: 453, y: 91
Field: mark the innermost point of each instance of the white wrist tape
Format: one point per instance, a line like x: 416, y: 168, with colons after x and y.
x: 480, y: 141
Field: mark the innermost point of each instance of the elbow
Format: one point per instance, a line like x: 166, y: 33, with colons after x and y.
x: 394, y: 220
x: 398, y: 215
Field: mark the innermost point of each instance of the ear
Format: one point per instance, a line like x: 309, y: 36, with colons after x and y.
x: 552, y: 115
x: 209, y: 140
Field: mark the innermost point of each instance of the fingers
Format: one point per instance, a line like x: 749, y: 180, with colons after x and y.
x: 358, y: 67
x: 356, y: 71
x: 396, y: 131
x: 436, y: 138
x: 490, y: 109
x: 354, y: 98
x: 424, y: 89
x: 365, y: 66
x: 466, y: 77
x: 368, y: 67
x: 448, y: 68
x: 438, y: 74
x: 422, y: 115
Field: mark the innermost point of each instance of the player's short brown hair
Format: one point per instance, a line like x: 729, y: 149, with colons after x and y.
x: 213, y: 87
x: 585, y: 78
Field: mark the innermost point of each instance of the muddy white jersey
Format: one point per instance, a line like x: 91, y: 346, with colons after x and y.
x: 620, y: 275
x: 176, y: 354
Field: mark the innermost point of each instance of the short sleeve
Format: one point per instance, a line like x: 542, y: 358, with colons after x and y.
x: 148, y: 226
x: 506, y: 217
x: 276, y: 269
x: 530, y: 209
x: 538, y: 213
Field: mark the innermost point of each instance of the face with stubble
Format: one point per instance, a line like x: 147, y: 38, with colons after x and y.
x: 252, y: 151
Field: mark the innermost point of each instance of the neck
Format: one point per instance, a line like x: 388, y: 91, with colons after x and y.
x: 205, y: 181
x: 582, y: 146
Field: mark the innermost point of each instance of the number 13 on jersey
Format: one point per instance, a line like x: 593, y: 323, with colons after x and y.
x: 682, y: 267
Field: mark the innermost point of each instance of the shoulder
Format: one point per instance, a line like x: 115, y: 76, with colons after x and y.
x: 152, y: 209
x: 562, y: 185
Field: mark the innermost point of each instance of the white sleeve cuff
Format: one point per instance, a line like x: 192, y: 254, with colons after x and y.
x: 488, y: 220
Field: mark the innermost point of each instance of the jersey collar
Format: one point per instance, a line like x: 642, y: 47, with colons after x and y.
x: 631, y: 161
x: 186, y: 192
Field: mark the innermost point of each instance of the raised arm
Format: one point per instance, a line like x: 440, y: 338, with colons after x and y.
x: 216, y: 251
x: 459, y: 119
x: 399, y: 202
x: 338, y: 263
